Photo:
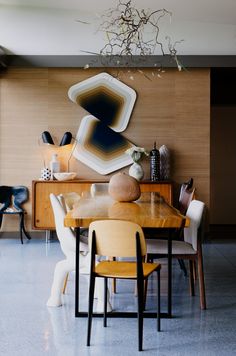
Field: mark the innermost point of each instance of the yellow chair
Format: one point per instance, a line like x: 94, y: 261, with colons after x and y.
x: 120, y: 239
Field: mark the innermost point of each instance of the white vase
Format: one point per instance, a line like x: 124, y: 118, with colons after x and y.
x: 164, y: 163
x: 136, y: 171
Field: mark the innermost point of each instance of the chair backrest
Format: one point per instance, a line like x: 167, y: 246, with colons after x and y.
x: 99, y: 188
x: 195, y: 214
x: 116, y: 238
x: 5, y: 197
x: 185, y: 196
x: 19, y: 193
x: 64, y: 234
x: 68, y: 200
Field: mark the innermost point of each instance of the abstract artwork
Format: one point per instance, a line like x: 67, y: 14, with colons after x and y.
x: 106, y: 98
x: 109, y: 103
x: 101, y: 148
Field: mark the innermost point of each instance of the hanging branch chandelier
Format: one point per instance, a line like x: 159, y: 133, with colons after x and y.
x: 131, y: 35
x: 126, y: 27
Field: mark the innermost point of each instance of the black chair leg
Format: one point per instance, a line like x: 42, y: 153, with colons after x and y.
x: 191, y: 279
x: 158, y: 301
x: 140, y: 314
x: 183, y: 267
x: 105, y: 303
x: 1, y: 220
x: 90, y: 307
x: 23, y: 227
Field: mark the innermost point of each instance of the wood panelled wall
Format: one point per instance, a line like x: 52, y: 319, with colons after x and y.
x: 173, y: 110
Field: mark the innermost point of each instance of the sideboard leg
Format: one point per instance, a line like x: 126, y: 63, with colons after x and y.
x: 48, y: 236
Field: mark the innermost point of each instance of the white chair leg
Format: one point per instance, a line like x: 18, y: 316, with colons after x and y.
x: 62, y: 268
x: 65, y: 284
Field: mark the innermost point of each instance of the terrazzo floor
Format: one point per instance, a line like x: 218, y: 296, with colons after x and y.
x: 28, y: 327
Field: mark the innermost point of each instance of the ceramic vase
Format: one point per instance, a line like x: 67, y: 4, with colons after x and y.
x: 45, y: 174
x: 136, y: 171
x: 123, y: 187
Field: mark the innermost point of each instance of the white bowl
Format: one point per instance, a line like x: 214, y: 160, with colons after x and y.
x: 65, y: 175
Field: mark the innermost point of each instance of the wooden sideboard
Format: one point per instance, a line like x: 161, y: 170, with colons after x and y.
x: 42, y: 215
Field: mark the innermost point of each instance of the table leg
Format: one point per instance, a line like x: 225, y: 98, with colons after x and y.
x: 170, y: 273
x: 77, y: 245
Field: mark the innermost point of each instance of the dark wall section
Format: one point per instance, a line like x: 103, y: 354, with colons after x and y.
x: 223, y: 146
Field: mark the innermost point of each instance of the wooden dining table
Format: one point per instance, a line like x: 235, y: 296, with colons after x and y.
x: 149, y: 211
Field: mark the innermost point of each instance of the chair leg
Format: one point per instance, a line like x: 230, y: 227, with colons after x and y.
x: 191, y: 279
x: 90, y: 307
x: 105, y: 303
x: 158, y: 301
x: 21, y: 216
x: 183, y: 267
x: 140, y: 314
x: 1, y: 215
x: 113, y: 284
x: 145, y: 285
x: 23, y: 227
x: 145, y: 293
x: 65, y: 284
x: 201, y: 280
x: 194, y: 271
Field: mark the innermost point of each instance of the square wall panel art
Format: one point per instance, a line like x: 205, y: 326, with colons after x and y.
x: 110, y: 104
x: 101, y: 148
x: 106, y: 98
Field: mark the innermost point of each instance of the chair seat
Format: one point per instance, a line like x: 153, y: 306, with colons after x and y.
x: 121, y: 269
x: 161, y: 247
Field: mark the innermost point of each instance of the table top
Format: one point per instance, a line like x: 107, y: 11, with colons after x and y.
x: 150, y: 210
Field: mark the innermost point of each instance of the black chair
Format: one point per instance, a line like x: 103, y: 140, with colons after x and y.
x: 11, y: 200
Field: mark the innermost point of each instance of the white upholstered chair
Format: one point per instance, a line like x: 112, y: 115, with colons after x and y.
x: 67, y: 242
x: 68, y: 200
x: 189, y: 249
x: 99, y: 188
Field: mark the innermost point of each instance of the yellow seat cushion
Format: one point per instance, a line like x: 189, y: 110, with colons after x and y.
x: 121, y: 269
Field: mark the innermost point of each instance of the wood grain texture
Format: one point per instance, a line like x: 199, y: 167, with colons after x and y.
x: 173, y: 110
x: 150, y: 210
x: 42, y: 217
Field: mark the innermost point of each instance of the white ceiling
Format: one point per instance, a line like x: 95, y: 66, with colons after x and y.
x: 208, y: 27
x: 216, y: 11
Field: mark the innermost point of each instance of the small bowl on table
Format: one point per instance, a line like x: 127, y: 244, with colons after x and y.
x: 65, y: 175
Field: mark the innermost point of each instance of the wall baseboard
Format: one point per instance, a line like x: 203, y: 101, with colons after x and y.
x: 34, y: 234
x: 222, y: 231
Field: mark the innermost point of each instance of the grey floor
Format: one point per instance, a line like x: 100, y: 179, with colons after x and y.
x: 28, y: 327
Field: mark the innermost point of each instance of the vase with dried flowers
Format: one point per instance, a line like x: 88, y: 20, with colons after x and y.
x: 136, y: 153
